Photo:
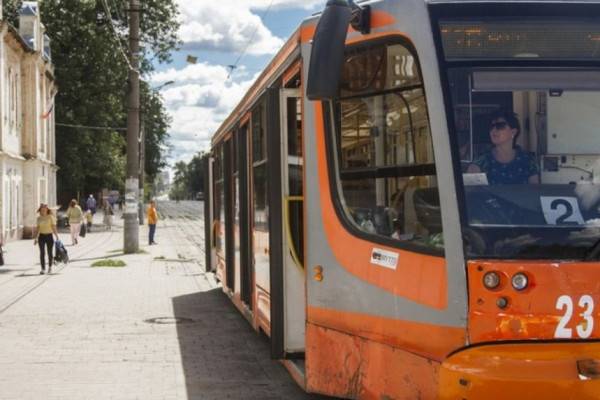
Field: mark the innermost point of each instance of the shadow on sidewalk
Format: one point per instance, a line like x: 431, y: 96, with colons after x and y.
x: 4, y: 270
x: 223, y: 357
x: 97, y: 258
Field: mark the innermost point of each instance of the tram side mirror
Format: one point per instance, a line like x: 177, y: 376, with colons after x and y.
x: 327, y: 53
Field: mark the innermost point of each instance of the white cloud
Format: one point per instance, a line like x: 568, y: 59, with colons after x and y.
x: 232, y: 26
x: 202, y: 96
x: 200, y: 100
x: 227, y: 26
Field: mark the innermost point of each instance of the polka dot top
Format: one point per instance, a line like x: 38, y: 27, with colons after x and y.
x: 517, y: 171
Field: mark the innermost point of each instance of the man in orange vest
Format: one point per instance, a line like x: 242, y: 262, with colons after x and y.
x: 152, y: 219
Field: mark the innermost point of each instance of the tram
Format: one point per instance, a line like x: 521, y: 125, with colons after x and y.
x: 407, y: 200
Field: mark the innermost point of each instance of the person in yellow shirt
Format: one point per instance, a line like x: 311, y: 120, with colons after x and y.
x: 75, y: 216
x: 44, y: 231
x: 152, y: 219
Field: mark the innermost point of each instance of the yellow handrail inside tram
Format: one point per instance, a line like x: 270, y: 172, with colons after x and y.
x: 288, y: 229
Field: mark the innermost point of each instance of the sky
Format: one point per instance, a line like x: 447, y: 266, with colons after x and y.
x: 245, y: 33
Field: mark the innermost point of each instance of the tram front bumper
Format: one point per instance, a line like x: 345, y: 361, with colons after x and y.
x: 557, y: 370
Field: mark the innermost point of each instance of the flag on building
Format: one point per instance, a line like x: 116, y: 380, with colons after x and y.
x: 50, y: 107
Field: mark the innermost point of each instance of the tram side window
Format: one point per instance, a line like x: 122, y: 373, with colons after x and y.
x: 384, y: 149
x: 259, y: 167
x: 219, y: 200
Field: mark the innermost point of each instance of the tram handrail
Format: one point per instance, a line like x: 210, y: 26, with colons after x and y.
x: 288, y: 229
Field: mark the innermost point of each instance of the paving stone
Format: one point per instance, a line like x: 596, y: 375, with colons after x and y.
x: 80, y: 333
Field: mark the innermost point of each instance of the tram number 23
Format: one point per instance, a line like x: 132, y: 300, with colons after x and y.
x: 585, y: 328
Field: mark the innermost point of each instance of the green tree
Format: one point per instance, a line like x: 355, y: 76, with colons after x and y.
x: 195, y: 170
x: 155, y: 122
x: 180, y: 187
x: 10, y: 10
x: 92, y: 73
x: 189, y: 178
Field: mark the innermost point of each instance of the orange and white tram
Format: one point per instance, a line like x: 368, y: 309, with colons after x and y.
x: 407, y: 200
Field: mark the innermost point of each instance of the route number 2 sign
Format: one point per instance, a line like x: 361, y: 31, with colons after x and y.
x: 561, y: 210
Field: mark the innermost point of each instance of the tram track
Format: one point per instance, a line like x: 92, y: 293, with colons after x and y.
x: 194, y: 233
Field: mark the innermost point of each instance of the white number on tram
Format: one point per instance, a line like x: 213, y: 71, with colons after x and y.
x: 584, y: 330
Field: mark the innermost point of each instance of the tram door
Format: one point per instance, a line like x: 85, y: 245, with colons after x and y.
x: 294, y: 295
x: 209, y: 249
x: 244, y: 262
x: 239, y: 274
x: 229, y: 195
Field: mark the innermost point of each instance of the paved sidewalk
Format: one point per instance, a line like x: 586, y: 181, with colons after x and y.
x: 84, y: 332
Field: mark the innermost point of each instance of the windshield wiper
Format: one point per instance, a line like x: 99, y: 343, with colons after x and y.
x: 593, y: 252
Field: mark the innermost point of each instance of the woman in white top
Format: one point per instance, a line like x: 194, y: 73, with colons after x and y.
x: 75, y: 216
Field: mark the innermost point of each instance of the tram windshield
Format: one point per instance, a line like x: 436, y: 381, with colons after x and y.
x: 528, y: 140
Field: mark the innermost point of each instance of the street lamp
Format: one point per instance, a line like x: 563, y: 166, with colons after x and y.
x: 142, y: 143
x: 159, y: 87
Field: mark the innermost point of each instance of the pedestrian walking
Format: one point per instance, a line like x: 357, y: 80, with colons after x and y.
x: 91, y: 204
x: 108, y: 214
x: 89, y: 218
x: 75, y: 216
x: 45, y: 231
x: 152, y: 217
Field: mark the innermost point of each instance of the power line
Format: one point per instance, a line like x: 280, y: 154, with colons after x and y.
x: 117, y: 37
x: 97, y: 128
x: 116, y: 4
x: 235, y: 64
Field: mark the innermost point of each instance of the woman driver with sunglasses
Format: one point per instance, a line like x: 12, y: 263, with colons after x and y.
x: 506, y: 163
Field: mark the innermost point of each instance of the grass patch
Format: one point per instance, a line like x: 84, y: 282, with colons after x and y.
x: 160, y: 258
x: 115, y: 251
x: 109, y: 263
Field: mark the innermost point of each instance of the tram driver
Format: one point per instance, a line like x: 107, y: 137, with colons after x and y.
x: 506, y: 162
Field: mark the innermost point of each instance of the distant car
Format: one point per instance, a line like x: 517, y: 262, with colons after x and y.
x: 200, y: 196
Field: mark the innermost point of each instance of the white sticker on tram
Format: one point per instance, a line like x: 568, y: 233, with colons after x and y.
x: 561, y: 210
x: 384, y: 258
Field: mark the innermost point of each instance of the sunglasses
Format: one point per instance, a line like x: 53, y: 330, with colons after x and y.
x: 498, y: 125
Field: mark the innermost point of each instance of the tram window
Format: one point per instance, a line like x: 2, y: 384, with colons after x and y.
x: 535, y: 190
x: 259, y: 138
x: 219, y: 199
x: 385, y: 157
x: 259, y: 168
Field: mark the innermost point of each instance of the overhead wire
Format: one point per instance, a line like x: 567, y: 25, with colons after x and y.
x: 117, y: 37
x: 235, y: 64
x: 116, y: 4
x: 97, y: 128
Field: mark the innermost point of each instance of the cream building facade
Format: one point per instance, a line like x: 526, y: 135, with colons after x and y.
x: 27, y: 134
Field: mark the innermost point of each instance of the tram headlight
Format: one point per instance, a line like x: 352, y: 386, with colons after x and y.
x: 520, y: 281
x: 491, y: 280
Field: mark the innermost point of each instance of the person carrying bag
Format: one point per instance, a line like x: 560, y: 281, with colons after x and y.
x: 83, y: 230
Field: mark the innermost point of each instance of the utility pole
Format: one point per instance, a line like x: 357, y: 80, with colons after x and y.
x: 142, y: 170
x: 130, y: 215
